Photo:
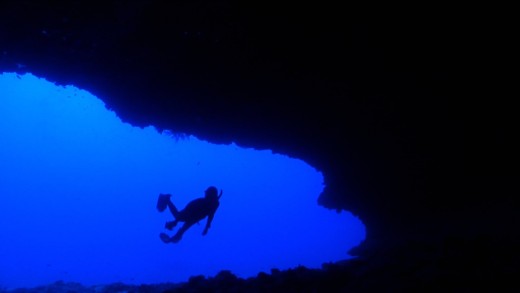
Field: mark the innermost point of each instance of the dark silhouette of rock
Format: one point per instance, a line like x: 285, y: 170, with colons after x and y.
x: 369, y: 97
x: 397, y: 271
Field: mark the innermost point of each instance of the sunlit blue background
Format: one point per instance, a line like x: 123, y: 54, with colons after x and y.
x: 78, y: 189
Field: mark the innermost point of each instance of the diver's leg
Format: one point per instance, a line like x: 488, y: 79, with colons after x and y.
x: 175, y: 212
x: 178, y: 236
x: 164, y: 201
x: 173, y: 209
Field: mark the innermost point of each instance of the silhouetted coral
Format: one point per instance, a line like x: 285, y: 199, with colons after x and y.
x: 455, y: 264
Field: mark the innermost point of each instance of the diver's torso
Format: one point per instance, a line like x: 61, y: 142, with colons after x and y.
x: 199, y: 208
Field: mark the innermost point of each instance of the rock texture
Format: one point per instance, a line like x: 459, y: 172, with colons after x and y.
x: 367, y: 95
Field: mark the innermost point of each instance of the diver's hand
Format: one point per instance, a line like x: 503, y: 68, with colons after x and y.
x: 205, y: 232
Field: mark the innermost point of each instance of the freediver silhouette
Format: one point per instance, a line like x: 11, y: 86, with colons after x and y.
x: 194, y: 211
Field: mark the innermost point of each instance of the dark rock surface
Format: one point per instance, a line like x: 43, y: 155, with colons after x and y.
x: 413, y: 269
x: 367, y: 95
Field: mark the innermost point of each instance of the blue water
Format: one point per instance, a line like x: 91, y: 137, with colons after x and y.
x: 78, y: 189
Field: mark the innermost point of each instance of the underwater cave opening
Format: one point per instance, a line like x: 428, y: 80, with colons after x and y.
x: 78, y: 189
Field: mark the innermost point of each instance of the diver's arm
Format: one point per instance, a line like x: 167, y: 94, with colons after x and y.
x: 208, y: 223
x: 210, y: 218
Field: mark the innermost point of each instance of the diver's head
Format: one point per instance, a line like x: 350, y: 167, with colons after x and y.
x: 211, y: 193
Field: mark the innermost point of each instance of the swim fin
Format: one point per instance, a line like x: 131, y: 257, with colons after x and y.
x: 165, y: 238
x: 162, y: 202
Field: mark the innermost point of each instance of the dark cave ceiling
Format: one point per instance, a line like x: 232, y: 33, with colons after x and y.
x: 364, y: 95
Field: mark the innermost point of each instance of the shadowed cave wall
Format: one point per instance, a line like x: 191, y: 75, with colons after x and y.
x: 366, y: 96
